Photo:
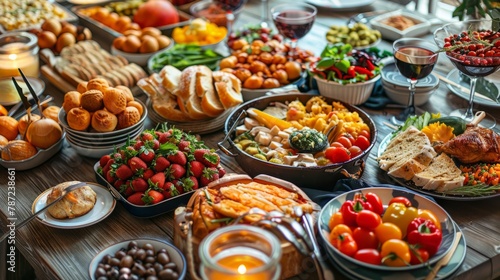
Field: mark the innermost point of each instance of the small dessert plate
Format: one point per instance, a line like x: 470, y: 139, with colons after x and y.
x: 399, y: 24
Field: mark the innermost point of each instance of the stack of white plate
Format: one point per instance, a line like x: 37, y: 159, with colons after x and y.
x: 96, y: 144
x: 396, y: 86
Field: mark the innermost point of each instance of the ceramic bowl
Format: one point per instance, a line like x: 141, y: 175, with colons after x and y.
x: 353, y: 94
x: 175, y: 255
x: 202, y: 10
x: 400, y: 95
x: 421, y: 25
x: 140, y: 59
x: 386, y: 194
x: 91, y: 152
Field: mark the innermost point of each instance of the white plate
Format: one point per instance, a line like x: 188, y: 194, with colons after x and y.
x: 454, y: 75
x: 341, y: 4
x: 421, y: 27
x: 9, y: 95
x: 104, y: 205
x: 386, y: 194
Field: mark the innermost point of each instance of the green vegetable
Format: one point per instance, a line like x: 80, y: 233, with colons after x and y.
x: 182, y: 56
x: 308, y: 140
x: 458, y: 124
x: 418, y: 122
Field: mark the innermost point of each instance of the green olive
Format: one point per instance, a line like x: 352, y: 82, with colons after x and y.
x: 276, y: 160
x: 260, y: 156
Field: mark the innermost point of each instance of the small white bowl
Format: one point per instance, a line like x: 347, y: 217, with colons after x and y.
x: 422, y: 26
x: 175, y: 254
x: 140, y: 59
x: 353, y: 94
x: 401, y: 95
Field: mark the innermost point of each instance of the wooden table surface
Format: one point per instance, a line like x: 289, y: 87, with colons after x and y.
x: 66, y: 253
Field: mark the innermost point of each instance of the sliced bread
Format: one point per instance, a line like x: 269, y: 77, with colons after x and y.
x: 171, y: 78
x: 441, y: 169
x: 228, y: 88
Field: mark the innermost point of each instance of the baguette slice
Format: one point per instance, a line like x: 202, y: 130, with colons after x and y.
x: 187, y: 98
x: 171, y: 77
x: 228, y: 88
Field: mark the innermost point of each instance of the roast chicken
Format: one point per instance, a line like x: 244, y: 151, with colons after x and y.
x: 476, y: 144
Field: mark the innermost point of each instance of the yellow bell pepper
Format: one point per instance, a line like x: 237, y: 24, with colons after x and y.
x: 400, y: 215
x: 429, y: 215
x: 269, y: 120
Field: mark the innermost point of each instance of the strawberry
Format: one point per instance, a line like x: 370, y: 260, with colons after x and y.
x: 110, y: 177
x: 184, y: 145
x: 128, y: 152
x: 146, y: 136
x: 103, y: 160
x: 118, y: 184
x: 157, y: 181
x: 164, y: 137
x: 123, y: 172
x: 196, y: 168
x: 161, y: 163
x: 126, y: 190
x: 117, y: 157
x: 222, y: 171
x: 178, y: 157
x: 179, y: 186
x: 137, y: 165
x: 190, y: 183
x: 107, y: 167
x: 148, y: 173
x: 152, y: 197
x: 139, y: 185
x: 138, y: 145
x: 136, y: 198
x: 155, y: 144
x: 147, y: 155
x: 210, y: 174
x: 207, y: 157
x: 169, y: 190
x: 176, y: 171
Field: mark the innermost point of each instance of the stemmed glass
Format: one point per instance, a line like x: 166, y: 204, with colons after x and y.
x: 293, y: 21
x: 473, y: 53
x: 415, y: 58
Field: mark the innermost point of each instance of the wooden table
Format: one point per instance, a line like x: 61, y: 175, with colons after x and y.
x: 66, y: 253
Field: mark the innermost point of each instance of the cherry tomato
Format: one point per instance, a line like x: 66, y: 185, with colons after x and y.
x: 400, y: 199
x: 335, y: 219
x: 344, y: 141
x: 336, y: 144
x: 368, y: 219
x: 386, y: 231
x: 364, y: 133
x: 371, y: 256
x: 337, y: 231
x: 375, y: 202
x: 346, y: 244
x: 337, y: 154
x: 418, y: 255
x: 355, y: 150
x: 365, y: 238
x: 362, y: 142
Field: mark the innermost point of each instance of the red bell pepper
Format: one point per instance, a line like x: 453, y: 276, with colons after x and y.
x: 425, y: 234
x: 338, y: 73
x: 363, y: 70
x: 375, y: 202
x: 350, y: 209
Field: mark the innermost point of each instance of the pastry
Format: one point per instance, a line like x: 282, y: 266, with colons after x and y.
x: 72, y: 99
x: 98, y: 83
x: 92, y: 100
x: 104, y: 121
x: 128, y: 117
x: 115, y: 100
x: 78, y: 118
x: 75, y: 204
x: 52, y: 112
x: 82, y: 87
x: 137, y: 105
x: 127, y: 92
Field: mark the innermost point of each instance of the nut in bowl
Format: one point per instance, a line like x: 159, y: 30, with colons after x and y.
x: 412, y: 210
x: 400, y: 24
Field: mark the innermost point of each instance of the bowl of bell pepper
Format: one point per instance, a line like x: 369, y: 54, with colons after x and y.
x: 345, y: 73
x: 386, y: 228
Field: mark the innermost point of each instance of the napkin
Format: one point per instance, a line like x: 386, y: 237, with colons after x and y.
x: 346, y: 185
x: 378, y: 99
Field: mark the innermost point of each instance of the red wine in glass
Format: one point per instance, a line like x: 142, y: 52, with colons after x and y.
x: 414, y: 62
x: 293, y: 24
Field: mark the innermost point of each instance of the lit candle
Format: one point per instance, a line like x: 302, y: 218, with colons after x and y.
x: 19, y: 50
x: 240, y: 252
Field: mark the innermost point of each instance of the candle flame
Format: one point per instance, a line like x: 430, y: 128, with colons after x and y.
x: 13, y: 56
x: 242, y: 269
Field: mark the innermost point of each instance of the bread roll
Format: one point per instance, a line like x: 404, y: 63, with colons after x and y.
x: 71, y: 100
x: 115, y: 100
x: 82, y: 87
x: 75, y: 204
x: 92, y: 100
x: 228, y: 88
x: 78, y: 118
x: 137, y: 105
x: 98, y: 83
x: 127, y: 92
x: 104, y: 121
x: 128, y: 117
x: 52, y: 112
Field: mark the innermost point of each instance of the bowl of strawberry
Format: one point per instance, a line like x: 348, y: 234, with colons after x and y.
x: 384, y: 228
x: 158, y: 171
x: 472, y: 46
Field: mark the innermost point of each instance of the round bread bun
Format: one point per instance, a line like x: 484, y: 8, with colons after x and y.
x: 128, y: 117
x: 137, y: 105
x: 98, y: 83
x: 52, y: 112
x: 78, y: 118
x: 22, y: 124
x: 104, y: 121
x: 75, y: 204
x: 72, y: 99
x: 92, y: 100
x: 115, y: 100
x: 127, y: 92
x: 82, y: 87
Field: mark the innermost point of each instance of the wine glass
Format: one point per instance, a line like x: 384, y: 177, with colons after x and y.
x: 475, y: 54
x: 415, y: 58
x: 293, y: 21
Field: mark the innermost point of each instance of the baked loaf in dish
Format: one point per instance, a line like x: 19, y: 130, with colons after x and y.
x: 77, y: 203
x: 196, y: 93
